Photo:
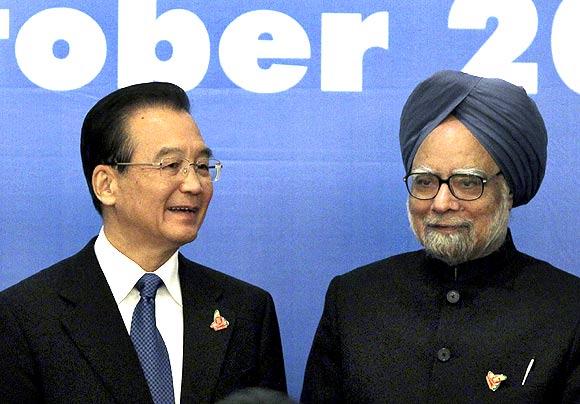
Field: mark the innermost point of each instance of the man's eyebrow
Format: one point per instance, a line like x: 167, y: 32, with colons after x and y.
x: 205, y: 152
x: 168, y: 150
x: 422, y: 170
x: 466, y: 171
x: 470, y: 171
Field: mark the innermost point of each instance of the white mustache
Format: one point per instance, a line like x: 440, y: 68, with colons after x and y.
x: 455, y: 222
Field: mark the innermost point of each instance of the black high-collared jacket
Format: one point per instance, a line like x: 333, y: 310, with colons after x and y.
x: 410, y: 329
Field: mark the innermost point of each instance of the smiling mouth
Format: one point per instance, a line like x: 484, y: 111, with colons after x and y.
x: 447, y: 227
x: 184, y: 209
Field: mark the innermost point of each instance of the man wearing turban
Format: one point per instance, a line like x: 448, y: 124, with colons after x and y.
x: 468, y: 318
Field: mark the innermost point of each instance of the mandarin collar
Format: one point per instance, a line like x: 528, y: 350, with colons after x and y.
x: 485, y: 269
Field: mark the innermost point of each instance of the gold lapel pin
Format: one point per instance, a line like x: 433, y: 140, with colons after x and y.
x: 219, y: 322
x: 493, y: 380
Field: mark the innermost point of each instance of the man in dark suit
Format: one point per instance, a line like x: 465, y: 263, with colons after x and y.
x: 468, y: 319
x: 129, y: 319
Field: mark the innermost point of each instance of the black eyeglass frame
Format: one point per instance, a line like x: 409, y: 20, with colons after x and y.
x: 440, y: 181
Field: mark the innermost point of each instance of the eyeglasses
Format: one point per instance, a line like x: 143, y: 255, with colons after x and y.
x: 170, y: 167
x: 466, y: 187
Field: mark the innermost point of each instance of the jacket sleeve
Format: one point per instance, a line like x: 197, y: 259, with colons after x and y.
x: 572, y: 389
x: 17, y: 381
x: 323, y: 376
x: 272, y: 374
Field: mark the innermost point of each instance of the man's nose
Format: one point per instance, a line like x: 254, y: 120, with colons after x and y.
x: 190, y: 181
x: 444, y: 200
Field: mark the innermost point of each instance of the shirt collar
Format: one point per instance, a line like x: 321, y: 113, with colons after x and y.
x: 122, y: 273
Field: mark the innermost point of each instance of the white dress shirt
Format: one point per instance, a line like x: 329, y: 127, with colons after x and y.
x: 122, y: 274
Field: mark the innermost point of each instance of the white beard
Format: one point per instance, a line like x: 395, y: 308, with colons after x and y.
x: 461, y: 246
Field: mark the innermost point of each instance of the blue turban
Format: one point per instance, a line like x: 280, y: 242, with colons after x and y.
x: 503, y: 118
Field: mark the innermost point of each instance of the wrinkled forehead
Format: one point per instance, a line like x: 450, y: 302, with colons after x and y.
x: 161, y: 130
x: 157, y: 114
x: 452, y: 147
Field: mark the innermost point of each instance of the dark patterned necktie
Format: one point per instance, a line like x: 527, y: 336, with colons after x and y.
x: 149, y: 344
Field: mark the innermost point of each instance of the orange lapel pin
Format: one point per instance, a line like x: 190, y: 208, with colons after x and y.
x: 493, y: 380
x: 219, y: 322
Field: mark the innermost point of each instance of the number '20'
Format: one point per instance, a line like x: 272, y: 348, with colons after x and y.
x: 517, y: 25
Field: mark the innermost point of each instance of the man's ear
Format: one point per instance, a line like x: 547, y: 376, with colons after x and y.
x: 510, y: 200
x: 104, y: 183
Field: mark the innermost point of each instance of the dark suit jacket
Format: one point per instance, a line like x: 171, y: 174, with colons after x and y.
x: 62, y: 338
x: 384, y: 326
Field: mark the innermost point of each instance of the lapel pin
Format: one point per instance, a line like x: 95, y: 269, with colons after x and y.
x: 219, y: 322
x: 493, y: 380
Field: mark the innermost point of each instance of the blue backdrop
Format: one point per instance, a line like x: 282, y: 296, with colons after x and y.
x: 301, y: 101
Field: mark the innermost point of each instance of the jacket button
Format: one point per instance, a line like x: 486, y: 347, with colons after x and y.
x: 453, y: 296
x: 444, y: 354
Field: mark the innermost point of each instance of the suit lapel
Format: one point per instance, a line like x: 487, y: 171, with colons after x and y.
x: 203, y: 348
x: 95, y: 325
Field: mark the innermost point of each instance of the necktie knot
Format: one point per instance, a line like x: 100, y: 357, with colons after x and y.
x: 148, y: 285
